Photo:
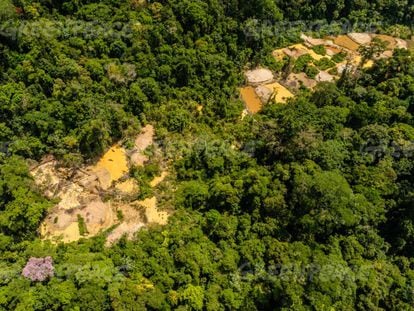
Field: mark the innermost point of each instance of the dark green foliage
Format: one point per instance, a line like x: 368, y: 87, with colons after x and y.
x: 319, y: 49
x: 83, y: 230
x: 324, y: 63
x: 339, y: 57
x: 305, y: 206
x: 302, y: 62
x: 311, y: 71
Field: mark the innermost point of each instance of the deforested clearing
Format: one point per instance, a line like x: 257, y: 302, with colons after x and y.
x: 251, y: 100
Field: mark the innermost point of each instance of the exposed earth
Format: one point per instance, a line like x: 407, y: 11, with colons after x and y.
x: 264, y: 86
x: 99, y: 197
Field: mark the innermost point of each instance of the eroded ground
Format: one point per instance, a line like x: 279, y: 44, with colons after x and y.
x: 99, y: 197
x: 264, y: 85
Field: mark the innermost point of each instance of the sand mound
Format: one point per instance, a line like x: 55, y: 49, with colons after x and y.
x: 128, y: 229
x: 259, y: 76
x: 323, y: 76
x: 296, y: 50
x: 331, y: 51
x: 264, y: 93
x: 137, y: 215
x: 145, y: 138
x: 133, y: 221
x: 360, y: 37
x: 312, y: 41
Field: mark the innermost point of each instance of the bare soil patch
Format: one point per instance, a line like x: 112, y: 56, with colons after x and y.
x: 251, y: 100
x: 259, y: 76
x: 81, y: 194
x: 346, y: 42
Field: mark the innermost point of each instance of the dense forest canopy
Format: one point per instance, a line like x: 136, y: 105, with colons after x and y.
x: 305, y: 206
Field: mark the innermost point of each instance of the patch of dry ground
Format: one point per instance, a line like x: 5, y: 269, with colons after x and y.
x: 254, y: 98
x: 259, y: 76
x: 295, y: 80
x: 81, y: 194
x: 361, y: 38
x: 251, y: 100
x: 158, y: 179
x: 346, y: 42
x: 142, y: 142
x: 274, y: 91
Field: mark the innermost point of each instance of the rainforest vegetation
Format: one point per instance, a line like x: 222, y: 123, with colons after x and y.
x: 304, y: 206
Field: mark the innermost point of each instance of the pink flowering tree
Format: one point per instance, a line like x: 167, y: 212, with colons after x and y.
x: 39, y: 269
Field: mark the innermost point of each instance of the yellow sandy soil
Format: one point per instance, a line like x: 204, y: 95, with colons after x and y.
x: 79, y: 195
x: 66, y: 235
x: 278, y: 54
x: 298, y: 47
x: 368, y: 64
x: 280, y: 93
x: 159, y: 179
x: 251, y: 100
x: 346, y: 42
x: 306, y: 50
x: 128, y: 186
x: 295, y: 51
x: 114, y: 161
x: 152, y: 214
